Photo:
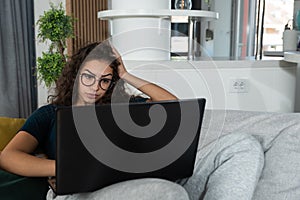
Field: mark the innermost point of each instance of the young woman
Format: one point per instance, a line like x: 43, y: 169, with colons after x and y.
x: 91, y: 76
x: 228, y: 168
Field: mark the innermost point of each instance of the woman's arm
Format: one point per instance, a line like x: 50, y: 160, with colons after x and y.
x: 16, y: 158
x: 152, y: 90
x: 155, y: 92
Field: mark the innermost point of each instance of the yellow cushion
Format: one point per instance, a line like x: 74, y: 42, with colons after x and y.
x: 8, y: 128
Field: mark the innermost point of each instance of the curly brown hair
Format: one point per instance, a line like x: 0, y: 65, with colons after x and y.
x: 65, y: 93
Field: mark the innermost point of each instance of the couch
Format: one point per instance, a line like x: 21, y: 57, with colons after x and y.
x: 278, y: 133
x: 12, y: 186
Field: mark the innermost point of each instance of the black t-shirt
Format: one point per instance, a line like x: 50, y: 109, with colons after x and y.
x: 41, y: 125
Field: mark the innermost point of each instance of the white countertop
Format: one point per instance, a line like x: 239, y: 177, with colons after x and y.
x: 292, y: 56
x: 162, y: 13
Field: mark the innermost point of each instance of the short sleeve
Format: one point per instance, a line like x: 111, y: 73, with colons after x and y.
x: 138, y: 99
x: 40, y: 123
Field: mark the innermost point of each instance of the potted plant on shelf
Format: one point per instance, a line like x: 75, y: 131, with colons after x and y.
x: 54, y: 27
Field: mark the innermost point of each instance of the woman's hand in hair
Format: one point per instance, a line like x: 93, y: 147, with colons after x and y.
x: 121, y: 69
x: 152, y: 90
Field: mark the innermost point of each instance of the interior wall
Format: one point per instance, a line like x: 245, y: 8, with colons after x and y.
x: 221, y: 28
x: 87, y: 27
x: 297, y: 105
x: 39, y: 8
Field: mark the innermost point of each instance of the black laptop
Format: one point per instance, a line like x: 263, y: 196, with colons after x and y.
x: 101, y: 145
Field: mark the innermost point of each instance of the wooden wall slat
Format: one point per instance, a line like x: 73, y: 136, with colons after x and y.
x: 69, y: 41
x: 87, y: 27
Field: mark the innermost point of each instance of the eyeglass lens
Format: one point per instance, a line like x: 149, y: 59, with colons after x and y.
x: 89, y: 80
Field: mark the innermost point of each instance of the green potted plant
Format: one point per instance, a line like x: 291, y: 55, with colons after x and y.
x: 54, y: 26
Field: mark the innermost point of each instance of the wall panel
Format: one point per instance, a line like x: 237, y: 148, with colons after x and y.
x: 87, y: 27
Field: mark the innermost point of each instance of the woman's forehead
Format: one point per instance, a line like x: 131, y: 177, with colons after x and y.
x: 97, y: 67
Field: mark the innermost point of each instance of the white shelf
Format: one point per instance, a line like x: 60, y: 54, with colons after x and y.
x: 194, y: 17
x: 163, y: 13
x: 292, y: 56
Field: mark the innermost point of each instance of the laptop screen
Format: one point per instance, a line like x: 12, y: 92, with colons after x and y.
x: 104, y: 144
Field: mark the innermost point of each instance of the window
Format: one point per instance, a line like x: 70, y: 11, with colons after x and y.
x: 277, y: 14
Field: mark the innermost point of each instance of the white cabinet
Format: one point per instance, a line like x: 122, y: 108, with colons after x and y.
x: 269, y: 85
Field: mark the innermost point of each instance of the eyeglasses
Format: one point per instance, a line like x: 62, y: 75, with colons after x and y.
x: 89, y: 80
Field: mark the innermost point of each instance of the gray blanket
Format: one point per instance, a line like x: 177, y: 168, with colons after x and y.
x: 279, y: 135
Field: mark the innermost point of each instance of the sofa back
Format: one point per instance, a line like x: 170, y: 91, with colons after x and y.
x: 8, y: 128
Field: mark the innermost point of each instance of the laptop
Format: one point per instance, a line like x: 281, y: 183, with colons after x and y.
x: 100, y: 145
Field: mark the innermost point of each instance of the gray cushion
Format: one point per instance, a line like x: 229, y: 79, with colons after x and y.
x: 279, y: 135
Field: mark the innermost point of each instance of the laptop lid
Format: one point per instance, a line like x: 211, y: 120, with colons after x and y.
x: 104, y: 144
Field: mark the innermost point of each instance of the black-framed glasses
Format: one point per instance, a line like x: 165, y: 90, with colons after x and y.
x: 89, y: 80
